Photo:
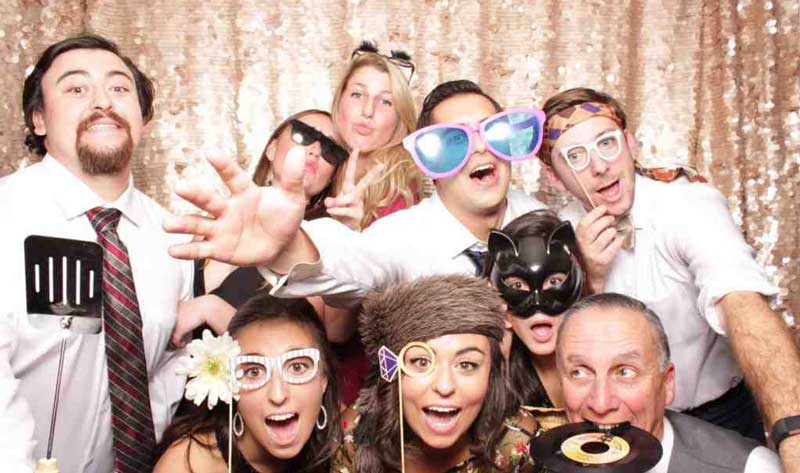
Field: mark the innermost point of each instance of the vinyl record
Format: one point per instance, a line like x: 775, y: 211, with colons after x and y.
x: 585, y: 448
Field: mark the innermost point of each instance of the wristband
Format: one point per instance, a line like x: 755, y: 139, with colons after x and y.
x: 785, y: 427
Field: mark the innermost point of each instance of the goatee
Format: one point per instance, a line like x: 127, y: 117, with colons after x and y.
x: 103, y: 160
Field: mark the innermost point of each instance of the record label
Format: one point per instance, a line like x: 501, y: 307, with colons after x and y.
x: 589, y: 448
x: 595, y: 448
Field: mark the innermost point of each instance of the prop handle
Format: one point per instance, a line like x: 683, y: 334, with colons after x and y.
x: 588, y: 197
x: 230, y: 436
x: 402, y: 421
x: 55, y: 400
x: 46, y: 465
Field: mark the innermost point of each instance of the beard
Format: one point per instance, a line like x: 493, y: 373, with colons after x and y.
x: 104, y: 160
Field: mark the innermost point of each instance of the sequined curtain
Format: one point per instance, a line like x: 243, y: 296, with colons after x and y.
x: 712, y: 84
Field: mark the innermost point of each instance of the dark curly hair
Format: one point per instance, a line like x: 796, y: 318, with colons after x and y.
x: 33, y: 100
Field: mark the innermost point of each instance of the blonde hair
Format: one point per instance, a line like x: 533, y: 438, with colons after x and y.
x: 400, y: 177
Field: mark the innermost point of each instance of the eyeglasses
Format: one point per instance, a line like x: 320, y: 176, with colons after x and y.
x: 443, y: 150
x: 295, y: 367
x: 607, y: 146
x: 331, y: 151
x: 400, y: 59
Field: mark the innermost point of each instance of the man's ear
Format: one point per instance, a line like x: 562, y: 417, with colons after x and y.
x: 633, y: 145
x: 39, y: 126
x: 669, y: 384
x: 553, y: 177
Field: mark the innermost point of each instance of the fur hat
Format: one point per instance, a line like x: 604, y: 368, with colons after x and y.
x: 419, y: 311
x: 428, y: 308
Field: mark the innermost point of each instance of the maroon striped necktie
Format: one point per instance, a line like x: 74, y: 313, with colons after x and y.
x: 131, y: 416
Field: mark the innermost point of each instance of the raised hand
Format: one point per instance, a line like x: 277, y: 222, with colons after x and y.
x: 599, y: 245
x: 348, y: 206
x: 251, y: 227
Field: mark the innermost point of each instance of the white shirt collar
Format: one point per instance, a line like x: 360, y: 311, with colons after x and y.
x: 667, y: 440
x: 75, y: 198
x: 457, y: 237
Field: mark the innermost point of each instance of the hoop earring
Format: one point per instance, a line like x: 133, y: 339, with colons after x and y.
x: 324, y: 417
x: 238, y: 424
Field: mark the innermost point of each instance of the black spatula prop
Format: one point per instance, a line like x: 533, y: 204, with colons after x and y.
x: 63, y: 285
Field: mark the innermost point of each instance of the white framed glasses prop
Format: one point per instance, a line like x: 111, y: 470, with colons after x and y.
x: 607, y: 146
x: 251, y: 372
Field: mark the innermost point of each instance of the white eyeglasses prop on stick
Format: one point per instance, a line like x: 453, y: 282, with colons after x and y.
x: 63, y: 292
x: 218, y: 372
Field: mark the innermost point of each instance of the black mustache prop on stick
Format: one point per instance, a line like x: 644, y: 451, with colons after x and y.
x: 63, y: 286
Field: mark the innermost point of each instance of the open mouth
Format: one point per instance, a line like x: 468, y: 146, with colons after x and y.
x: 282, y: 427
x: 483, y: 174
x: 542, y: 332
x: 441, y: 420
x: 611, y: 191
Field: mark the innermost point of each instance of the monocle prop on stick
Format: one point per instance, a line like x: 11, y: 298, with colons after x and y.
x: 63, y: 292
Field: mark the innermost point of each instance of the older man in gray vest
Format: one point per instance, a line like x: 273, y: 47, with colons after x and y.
x: 614, y: 362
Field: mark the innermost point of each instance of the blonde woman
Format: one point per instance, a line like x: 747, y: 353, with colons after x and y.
x: 372, y: 112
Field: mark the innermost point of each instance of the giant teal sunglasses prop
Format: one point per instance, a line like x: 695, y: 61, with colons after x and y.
x: 442, y: 150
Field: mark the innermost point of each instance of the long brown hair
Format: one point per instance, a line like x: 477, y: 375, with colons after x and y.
x: 400, y: 178
x: 316, y: 454
x: 441, y: 305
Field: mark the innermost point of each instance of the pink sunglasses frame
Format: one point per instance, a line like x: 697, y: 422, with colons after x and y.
x: 408, y: 141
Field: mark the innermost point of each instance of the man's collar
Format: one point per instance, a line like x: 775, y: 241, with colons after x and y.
x: 75, y: 198
x: 455, y: 237
x: 667, y: 442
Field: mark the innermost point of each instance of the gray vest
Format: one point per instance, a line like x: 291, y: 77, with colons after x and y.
x: 703, y: 447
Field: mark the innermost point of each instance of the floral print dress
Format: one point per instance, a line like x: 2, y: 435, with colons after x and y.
x: 511, y: 455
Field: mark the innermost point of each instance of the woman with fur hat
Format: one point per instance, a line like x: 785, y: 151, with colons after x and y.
x: 437, y: 399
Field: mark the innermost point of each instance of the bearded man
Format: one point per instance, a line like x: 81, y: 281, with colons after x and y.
x: 85, y: 107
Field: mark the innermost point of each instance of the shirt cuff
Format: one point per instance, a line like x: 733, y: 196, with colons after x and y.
x: 710, y: 307
x: 298, y: 272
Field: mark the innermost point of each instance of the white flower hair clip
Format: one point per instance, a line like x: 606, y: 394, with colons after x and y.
x: 208, y: 366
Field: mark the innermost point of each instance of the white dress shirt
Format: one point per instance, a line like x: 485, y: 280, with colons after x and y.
x: 46, y: 199
x: 688, y: 254
x: 760, y: 460
x: 423, y: 240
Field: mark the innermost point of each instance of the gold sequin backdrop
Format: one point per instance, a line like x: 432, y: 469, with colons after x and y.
x: 712, y: 83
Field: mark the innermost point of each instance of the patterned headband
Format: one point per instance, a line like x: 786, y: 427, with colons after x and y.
x: 557, y: 124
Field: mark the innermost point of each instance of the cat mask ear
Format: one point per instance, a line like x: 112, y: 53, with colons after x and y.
x: 499, y: 241
x: 564, y: 234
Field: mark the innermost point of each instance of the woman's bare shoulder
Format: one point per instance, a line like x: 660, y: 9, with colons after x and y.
x: 198, y: 455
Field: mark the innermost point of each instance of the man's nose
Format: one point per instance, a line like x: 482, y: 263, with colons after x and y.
x: 602, y: 399
x: 598, y: 165
x: 100, y: 99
